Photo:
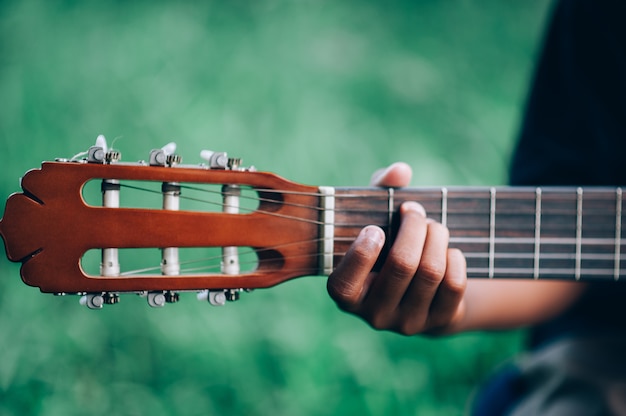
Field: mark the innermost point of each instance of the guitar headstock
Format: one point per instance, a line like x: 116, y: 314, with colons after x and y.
x: 248, y: 229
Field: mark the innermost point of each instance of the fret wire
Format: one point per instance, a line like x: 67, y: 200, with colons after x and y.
x: 618, y: 232
x: 492, y: 230
x: 444, y: 206
x: 579, y: 229
x: 537, y: 232
x: 389, y: 208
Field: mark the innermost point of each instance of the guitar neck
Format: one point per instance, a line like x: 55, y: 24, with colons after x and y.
x: 293, y: 230
x: 504, y: 232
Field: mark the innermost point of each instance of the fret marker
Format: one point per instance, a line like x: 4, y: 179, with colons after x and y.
x: 327, y: 194
x: 579, y: 230
x: 537, y: 232
x: 618, y: 232
x: 492, y: 231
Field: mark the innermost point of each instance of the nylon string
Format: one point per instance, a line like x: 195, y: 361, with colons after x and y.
x: 458, y: 240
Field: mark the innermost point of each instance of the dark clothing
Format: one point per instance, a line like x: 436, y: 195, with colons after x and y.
x: 574, y: 130
x: 574, y: 133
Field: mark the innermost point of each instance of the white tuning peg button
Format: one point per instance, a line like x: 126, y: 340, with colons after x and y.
x: 101, y: 141
x: 206, y: 154
x: 169, y: 148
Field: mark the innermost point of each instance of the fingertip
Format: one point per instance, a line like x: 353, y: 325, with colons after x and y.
x: 412, y: 206
x: 456, y: 257
x: 396, y: 175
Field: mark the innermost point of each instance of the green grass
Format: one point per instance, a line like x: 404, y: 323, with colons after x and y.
x: 320, y: 92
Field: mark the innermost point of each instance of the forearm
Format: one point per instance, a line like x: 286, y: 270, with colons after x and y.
x: 507, y: 304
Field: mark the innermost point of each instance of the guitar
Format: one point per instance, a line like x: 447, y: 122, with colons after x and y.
x: 267, y: 230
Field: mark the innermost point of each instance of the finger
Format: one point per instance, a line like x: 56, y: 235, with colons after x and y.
x: 428, y: 277
x: 401, y: 264
x: 396, y: 175
x: 348, y: 283
x: 447, y: 306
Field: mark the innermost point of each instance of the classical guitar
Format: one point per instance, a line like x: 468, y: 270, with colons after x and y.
x: 219, y: 228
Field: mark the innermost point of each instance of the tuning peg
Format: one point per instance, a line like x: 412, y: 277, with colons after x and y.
x: 214, y: 297
x: 156, y: 299
x: 217, y: 160
x: 98, y: 300
x: 92, y: 300
x: 100, y: 152
x: 165, y: 156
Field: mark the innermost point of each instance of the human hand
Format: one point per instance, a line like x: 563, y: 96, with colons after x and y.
x: 421, y: 284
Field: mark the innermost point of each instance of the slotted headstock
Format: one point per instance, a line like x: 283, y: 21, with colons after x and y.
x: 50, y: 226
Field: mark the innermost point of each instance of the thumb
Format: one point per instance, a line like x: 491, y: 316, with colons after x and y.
x: 396, y: 175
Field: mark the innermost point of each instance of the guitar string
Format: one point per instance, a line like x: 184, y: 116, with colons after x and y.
x: 244, y: 253
x: 468, y: 254
x: 472, y: 271
x: 482, y: 212
x: 385, y: 212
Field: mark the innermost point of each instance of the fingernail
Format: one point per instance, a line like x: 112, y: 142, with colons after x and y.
x: 371, y: 236
x: 414, y: 206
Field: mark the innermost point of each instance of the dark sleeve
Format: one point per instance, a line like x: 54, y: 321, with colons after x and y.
x: 574, y: 129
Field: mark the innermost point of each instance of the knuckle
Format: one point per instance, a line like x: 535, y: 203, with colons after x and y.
x: 362, y: 253
x: 378, y: 321
x: 432, y: 271
x: 401, y: 265
x: 456, y: 285
x: 344, y: 292
x: 439, y: 320
x: 439, y: 229
x: 407, y: 328
x: 456, y: 255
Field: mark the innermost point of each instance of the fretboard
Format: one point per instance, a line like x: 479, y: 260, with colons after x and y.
x: 504, y: 232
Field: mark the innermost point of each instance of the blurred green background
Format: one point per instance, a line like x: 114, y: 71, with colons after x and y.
x: 320, y: 92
